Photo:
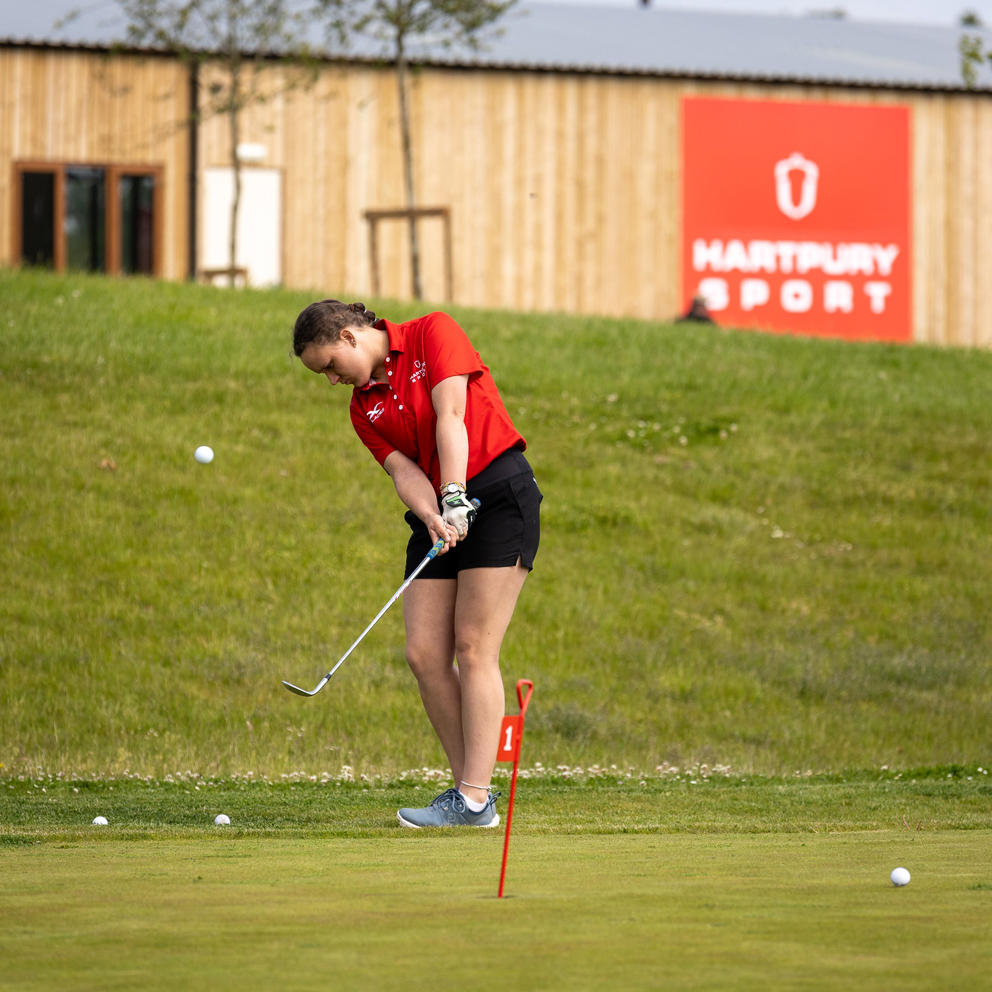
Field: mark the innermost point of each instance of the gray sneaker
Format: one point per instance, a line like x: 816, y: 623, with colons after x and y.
x: 450, y: 810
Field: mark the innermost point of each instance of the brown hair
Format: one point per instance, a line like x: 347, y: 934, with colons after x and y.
x: 323, y: 322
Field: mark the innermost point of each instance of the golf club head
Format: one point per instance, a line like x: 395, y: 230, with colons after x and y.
x: 305, y: 692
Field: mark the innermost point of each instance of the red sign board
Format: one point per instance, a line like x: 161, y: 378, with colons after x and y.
x: 796, y: 216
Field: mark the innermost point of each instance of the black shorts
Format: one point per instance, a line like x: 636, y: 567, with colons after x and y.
x: 507, y: 528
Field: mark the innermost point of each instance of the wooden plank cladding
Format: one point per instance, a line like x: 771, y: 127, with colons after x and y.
x: 564, y: 189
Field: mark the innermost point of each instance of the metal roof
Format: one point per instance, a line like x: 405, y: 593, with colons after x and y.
x: 692, y: 43
x: 656, y: 41
x: 653, y: 40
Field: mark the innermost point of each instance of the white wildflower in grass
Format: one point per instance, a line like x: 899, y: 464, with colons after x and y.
x: 696, y: 773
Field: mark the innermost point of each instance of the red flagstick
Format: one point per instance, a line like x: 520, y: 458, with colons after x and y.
x: 510, y: 738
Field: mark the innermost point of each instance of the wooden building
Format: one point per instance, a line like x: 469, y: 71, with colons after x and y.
x: 557, y: 186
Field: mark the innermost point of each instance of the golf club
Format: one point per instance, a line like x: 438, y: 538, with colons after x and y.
x: 429, y: 557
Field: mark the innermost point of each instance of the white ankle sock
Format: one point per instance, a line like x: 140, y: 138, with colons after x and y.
x: 473, y: 805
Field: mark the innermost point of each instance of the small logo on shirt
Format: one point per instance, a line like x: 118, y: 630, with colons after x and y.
x: 420, y: 371
x: 376, y: 412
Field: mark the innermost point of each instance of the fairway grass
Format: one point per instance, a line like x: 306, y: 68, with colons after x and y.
x: 696, y: 801
x: 419, y: 910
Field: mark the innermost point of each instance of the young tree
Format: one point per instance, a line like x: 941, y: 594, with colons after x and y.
x: 396, y: 25
x: 973, y: 55
x: 241, y: 36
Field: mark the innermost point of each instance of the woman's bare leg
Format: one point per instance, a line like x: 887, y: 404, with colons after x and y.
x: 428, y: 612
x: 483, y: 609
x: 465, y: 618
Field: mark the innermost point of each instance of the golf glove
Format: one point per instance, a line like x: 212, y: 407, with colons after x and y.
x: 457, y: 509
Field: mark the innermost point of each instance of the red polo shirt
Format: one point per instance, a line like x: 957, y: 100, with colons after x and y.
x: 398, y: 415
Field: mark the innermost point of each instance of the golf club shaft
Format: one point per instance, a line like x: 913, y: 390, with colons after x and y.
x: 429, y: 557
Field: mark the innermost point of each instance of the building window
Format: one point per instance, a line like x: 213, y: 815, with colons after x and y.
x: 38, y: 218
x: 89, y: 218
x: 137, y: 210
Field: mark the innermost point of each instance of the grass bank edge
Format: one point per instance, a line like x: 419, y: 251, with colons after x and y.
x: 912, y: 804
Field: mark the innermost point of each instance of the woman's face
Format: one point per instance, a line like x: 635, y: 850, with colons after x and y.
x: 343, y: 362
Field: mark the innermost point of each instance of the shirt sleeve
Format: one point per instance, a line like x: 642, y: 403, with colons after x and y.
x: 381, y: 449
x: 447, y: 350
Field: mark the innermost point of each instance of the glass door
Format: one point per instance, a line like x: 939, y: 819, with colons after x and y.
x: 84, y: 223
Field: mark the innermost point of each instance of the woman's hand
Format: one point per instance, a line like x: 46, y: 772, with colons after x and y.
x: 439, y: 529
x: 457, y: 509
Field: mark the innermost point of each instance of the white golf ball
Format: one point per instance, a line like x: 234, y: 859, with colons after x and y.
x: 222, y: 820
x: 99, y: 821
x: 204, y: 454
x: 899, y: 877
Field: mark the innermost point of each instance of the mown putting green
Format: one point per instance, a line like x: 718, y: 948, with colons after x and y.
x: 229, y: 911
x: 685, y: 883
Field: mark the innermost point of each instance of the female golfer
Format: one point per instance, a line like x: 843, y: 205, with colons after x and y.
x: 426, y: 407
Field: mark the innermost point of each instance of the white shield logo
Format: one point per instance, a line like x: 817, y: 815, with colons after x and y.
x: 807, y: 191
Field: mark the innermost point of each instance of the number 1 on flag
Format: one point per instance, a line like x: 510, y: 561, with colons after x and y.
x: 509, y: 739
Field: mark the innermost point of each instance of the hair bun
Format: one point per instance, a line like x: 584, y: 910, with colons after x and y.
x: 362, y: 311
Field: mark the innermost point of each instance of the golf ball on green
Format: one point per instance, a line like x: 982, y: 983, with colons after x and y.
x: 99, y: 821
x: 222, y: 820
x: 204, y: 454
x: 899, y: 877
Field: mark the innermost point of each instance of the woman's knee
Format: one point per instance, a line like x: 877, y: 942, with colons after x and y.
x: 475, y: 650
x: 427, y: 662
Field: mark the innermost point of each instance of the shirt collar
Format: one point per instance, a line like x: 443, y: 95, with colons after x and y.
x: 397, y: 340
x: 396, y: 334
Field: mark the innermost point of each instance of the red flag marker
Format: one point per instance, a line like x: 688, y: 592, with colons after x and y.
x: 510, y: 738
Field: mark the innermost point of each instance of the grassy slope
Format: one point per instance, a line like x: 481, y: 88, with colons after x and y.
x: 767, y: 552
